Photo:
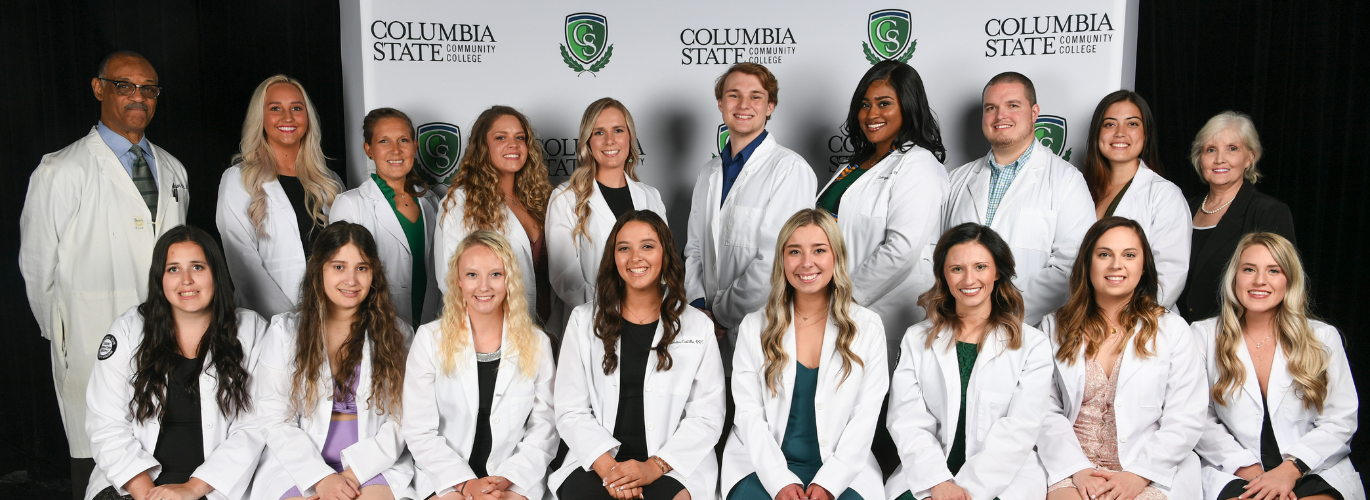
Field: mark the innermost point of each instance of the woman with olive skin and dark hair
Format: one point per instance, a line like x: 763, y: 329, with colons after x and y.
x: 639, y: 393
x: 330, y: 380
x: 148, y: 398
x: 1130, y: 396
x: 1123, y: 172
x: 400, y: 211
x: 898, y: 151
x: 971, y: 388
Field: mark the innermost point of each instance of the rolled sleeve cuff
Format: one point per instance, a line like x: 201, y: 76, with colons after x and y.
x: 1239, y: 460
x: 1310, y: 458
x: 1158, y: 476
x: 124, y: 475
x: 609, y: 446
x: 1070, y: 471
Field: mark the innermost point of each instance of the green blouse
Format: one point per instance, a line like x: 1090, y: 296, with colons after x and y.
x: 965, y: 357
x: 414, y: 232
x: 832, y: 198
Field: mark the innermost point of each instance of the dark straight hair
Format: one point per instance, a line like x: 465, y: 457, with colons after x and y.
x: 1098, y: 170
x: 920, y: 126
x: 158, y: 353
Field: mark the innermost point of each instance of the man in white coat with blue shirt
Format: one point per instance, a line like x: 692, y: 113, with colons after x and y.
x: 740, y: 201
x: 1036, y: 201
x: 92, y: 214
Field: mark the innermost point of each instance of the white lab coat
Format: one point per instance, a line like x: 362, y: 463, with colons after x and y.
x: 85, y: 246
x: 123, y: 447
x: 451, y: 229
x: 1043, y: 217
x: 368, y: 206
x: 1232, y: 434
x: 888, y: 216
x: 846, y: 411
x: 1159, y: 411
x: 574, y: 263
x: 731, y: 244
x: 683, y: 406
x: 294, y: 443
x: 266, y: 270
x: 1005, y: 404
x: 439, y: 422
x: 1160, y: 208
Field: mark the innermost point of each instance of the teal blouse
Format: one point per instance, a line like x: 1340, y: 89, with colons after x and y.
x: 414, y: 232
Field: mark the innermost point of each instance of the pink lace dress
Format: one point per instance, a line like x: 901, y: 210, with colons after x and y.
x: 1097, y: 429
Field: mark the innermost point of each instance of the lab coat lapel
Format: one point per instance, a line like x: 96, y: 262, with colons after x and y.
x: 599, y: 207
x: 508, y: 368
x: 385, y: 215
x: 1026, y: 178
x: 110, y: 166
x: 778, y: 406
x: 365, y: 410
x: 470, y: 383
x: 610, y: 401
x: 1131, y: 362
x: 1251, y: 387
x: 978, y: 189
x: 1280, y: 383
x: 209, y: 406
x: 945, y: 351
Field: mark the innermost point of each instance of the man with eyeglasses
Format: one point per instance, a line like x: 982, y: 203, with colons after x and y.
x: 92, y: 214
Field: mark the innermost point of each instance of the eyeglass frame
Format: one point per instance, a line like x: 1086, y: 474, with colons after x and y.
x: 136, y: 88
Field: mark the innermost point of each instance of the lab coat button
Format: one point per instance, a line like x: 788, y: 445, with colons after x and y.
x: 823, y: 443
x: 494, y: 420
x: 648, y: 388
x: 651, y: 427
x: 209, y: 425
x: 819, y: 406
x: 1122, y: 439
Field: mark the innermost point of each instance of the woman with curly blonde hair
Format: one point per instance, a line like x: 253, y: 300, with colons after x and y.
x: 275, y: 199
x: 1284, y: 405
x: 501, y: 186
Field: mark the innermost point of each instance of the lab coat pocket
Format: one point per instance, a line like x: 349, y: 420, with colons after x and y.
x: 1033, y: 229
x: 992, y: 406
x: 514, y: 413
x: 741, y: 227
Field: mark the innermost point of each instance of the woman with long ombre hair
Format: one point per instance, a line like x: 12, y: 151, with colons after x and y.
x: 169, y: 395
x: 1284, y: 405
x: 275, y: 199
x: 811, y: 351
x: 478, y: 385
x: 971, y: 387
x: 1129, y: 400
x: 603, y: 187
x: 501, y: 186
x: 639, y: 388
x: 330, y: 380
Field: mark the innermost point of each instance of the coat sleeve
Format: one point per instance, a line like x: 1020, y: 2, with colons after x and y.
x: 279, y: 425
x: 912, y: 426
x: 240, y: 240
x: 49, y: 206
x: 1057, y: 445
x: 853, y: 446
x: 527, y: 467
x: 346, y: 207
x: 749, y: 399
x: 564, y: 250
x: 791, y: 190
x: 109, y: 421
x: 1048, y: 289
x: 704, y: 410
x: 449, y: 232
x: 910, y: 226
x: 1330, y: 439
x: 696, y: 229
x: 1172, y: 227
x: 574, y: 391
x: 1183, y: 412
x: 1216, y: 445
x: 1010, y: 441
x: 229, y: 468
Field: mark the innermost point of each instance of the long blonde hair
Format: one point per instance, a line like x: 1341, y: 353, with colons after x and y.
x: 582, y: 182
x: 455, y: 335
x: 782, y: 298
x: 1080, y: 323
x: 477, y: 177
x: 259, y: 161
x: 1305, y: 354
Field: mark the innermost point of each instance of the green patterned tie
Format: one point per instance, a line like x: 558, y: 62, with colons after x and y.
x: 142, y: 178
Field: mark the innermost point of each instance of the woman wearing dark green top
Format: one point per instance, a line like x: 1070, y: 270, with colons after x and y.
x: 809, y: 375
x: 399, y: 210
x: 972, y: 385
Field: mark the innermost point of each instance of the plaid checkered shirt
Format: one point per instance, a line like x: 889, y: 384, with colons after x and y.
x: 1000, y: 177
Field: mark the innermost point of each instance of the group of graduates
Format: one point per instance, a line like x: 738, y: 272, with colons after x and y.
x: 1008, y: 323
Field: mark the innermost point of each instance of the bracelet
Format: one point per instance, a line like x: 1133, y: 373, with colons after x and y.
x: 661, y: 464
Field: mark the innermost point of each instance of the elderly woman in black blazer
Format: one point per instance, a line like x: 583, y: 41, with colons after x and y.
x: 1225, y: 153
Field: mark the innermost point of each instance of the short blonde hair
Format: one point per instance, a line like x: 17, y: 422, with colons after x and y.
x: 1238, y: 123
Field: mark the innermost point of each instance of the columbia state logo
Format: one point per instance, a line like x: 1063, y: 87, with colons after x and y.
x: 888, y: 34
x: 722, y: 138
x: 1051, y: 132
x: 439, y: 150
x: 587, y: 46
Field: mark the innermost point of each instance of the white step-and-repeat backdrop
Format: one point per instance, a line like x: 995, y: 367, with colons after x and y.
x: 443, y: 62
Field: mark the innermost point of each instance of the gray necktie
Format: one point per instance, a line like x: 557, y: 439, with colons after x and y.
x: 142, y: 178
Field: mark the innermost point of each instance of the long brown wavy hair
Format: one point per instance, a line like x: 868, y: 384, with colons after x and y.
x: 1081, y: 323
x: 1306, y: 355
x: 478, y: 178
x: 1006, y: 302
x: 582, y: 182
x: 456, y: 335
x: 778, y: 315
x: 611, y: 291
x: 375, y: 318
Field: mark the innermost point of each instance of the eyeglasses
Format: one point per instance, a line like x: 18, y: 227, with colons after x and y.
x: 127, y: 88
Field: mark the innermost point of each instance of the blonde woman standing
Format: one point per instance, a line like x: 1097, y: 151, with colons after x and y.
x: 584, y: 208
x: 1284, y: 405
x: 811, y: 353
x: 478, y: 385
x: 275, y: 199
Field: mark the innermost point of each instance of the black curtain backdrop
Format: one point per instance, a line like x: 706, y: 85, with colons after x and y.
x: 1295, y: 68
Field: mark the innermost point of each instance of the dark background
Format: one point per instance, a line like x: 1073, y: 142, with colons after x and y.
x: 1296, y: 67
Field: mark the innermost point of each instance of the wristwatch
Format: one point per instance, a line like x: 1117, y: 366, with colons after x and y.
x: 1298, y: 464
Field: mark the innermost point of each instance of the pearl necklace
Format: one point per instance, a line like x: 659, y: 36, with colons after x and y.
x: 1216, y: 210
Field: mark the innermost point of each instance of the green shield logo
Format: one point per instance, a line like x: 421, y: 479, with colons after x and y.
x: 1051, y: 132
x: 439, y: 145
x: 888, y: 31
x: 587, y: 36
x: 722, y: 139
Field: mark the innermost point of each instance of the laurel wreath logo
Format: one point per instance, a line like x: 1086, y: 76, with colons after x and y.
x: 594, y: 68
x: 903, y: 58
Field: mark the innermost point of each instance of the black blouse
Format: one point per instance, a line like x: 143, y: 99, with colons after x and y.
x: 630, y: 425
x: 620, y: 200
x: 1250, y: 211
x: 486, y: 373
x: 294, y: 191
x: 180, y: 445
